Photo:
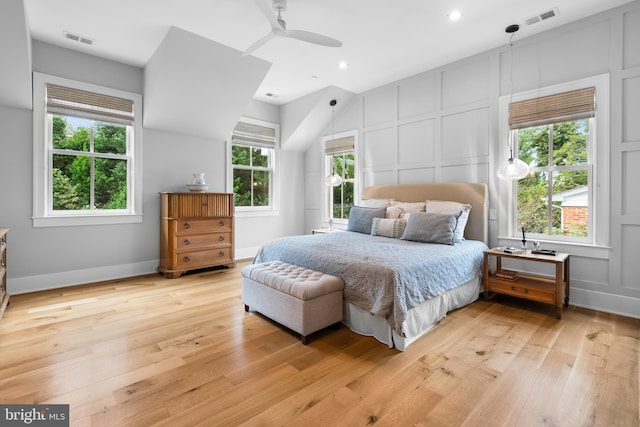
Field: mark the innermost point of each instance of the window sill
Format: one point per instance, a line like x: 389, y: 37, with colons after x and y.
x: 577, y: 249
x: 81, y: 220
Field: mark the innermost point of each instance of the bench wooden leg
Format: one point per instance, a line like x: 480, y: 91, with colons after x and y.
x: 246, y: 307
x: 304, y: 339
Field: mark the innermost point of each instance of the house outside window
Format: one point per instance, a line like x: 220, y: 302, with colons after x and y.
x: 561, y: 135
x: 86, y: 143
x: 253, y: 160
x: 341, y: 160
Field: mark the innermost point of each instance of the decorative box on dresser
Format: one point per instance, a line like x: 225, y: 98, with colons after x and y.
x: 4, y: 296
x: 196, y: 231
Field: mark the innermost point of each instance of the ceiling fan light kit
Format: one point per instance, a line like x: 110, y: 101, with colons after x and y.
x: 279, y: 28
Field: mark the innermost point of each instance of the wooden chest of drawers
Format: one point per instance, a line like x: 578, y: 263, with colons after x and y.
x: 196, y: 231
x: 4, y: 296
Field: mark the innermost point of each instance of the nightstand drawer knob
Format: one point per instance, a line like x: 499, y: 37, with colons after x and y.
x: 221, y: 254
x: 187, y: 242
x: 221, y: 223
x: 185, y: 259
x: 187, y: 225
x: 221, y: 238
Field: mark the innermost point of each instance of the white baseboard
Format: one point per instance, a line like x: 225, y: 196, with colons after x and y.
x: 43, y: 282
x: 608, y: 303
x: 247, y: 253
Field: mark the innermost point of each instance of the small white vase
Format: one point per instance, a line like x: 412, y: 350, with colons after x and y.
x: 198, y: 178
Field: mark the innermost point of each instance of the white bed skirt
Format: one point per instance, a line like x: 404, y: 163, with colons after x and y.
x: 418, y: 321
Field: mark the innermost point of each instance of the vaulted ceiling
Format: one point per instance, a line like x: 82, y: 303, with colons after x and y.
x: 382, y: 40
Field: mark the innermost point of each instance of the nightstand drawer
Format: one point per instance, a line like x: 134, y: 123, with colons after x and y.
x: 518, y: 290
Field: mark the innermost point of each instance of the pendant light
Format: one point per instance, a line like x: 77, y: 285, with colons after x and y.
x: 333, y: 179
x: 513, y: 168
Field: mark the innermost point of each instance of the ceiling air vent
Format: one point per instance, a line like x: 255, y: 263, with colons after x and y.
x: 77, y: 38
x: 542, y: 16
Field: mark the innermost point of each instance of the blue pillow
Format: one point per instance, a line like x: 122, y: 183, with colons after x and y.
x: 431, y: 227
x: 360, y: 219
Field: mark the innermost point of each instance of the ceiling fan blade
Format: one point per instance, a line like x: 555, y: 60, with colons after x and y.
x: 259, y: 43
x: 268, y: 13
x: 314, y: 38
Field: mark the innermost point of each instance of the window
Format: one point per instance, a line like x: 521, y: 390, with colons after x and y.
x: 340, y: 159
x: 253, y: 151
x: 85, y: 140
x: 556, y: 132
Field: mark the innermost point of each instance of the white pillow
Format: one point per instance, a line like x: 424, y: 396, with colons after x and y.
x: 376, y: 203
x: 393, y: 212
x: 440, y: 206
x: 408, y: 207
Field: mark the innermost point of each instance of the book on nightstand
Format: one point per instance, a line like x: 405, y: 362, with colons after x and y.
x: 507, y: 274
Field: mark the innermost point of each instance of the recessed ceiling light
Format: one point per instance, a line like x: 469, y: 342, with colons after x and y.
x: 455, y: 15
x: 343, y: 65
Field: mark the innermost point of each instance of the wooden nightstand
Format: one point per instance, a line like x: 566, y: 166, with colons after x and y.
x: 532, y: 287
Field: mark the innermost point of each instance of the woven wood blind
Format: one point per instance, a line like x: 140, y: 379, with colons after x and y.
x: 566, y: 106
x: 66, y: 100
x: 254, y: 135
x: 340, y: 145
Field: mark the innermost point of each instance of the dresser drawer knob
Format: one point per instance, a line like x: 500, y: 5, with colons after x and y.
x: 185, y: 259
x: 186, y: 242
x: 187, y: 225
x: 221, y: 254
x: 221, y: 238
x: 221, y: 223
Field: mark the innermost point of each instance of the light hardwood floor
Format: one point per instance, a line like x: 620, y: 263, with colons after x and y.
x: 152, y: 351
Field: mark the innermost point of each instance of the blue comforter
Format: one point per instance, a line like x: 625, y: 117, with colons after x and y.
x: 382, y: 275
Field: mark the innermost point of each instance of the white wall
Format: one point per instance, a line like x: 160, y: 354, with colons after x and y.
x: 45, y: 258
x: 441, y: 126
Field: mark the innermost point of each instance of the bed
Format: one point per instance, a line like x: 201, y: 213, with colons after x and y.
x: 396, y: 290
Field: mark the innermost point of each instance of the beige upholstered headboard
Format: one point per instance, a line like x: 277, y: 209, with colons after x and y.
x: 474, y: 194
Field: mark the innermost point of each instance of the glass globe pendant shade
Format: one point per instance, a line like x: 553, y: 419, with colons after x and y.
x: 513, y: 169
x: 334, y: 180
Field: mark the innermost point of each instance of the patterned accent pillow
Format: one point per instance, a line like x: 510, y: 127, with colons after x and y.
x: 360, y: 218
x: 452, y: 207
x: 387, y: 227
x: 431, y: 227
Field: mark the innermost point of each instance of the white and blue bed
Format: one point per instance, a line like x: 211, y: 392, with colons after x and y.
x: 396, y: 289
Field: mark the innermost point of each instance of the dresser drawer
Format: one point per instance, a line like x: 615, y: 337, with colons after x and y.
x: 195, y: 259
x: 203, y: 241
x: 186, y: 226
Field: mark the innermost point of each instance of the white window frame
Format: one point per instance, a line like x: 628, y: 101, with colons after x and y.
x: 274, y: 181
x: 43, y: 215
x: 327, y: 170
x: 599, y: 160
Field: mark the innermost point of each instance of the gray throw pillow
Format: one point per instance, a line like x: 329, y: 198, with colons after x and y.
x: 431, y: 227
x: 360, y: 218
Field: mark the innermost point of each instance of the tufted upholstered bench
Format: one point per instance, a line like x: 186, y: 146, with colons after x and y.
x: 301, y: 299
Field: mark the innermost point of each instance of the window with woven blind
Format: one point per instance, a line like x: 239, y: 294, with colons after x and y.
x: 87, y: 141
x: 560, y: 132
x: 253, y: 153
x: 341, y: 160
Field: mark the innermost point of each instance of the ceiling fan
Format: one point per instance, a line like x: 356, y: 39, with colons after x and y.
x: 279, y: 28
